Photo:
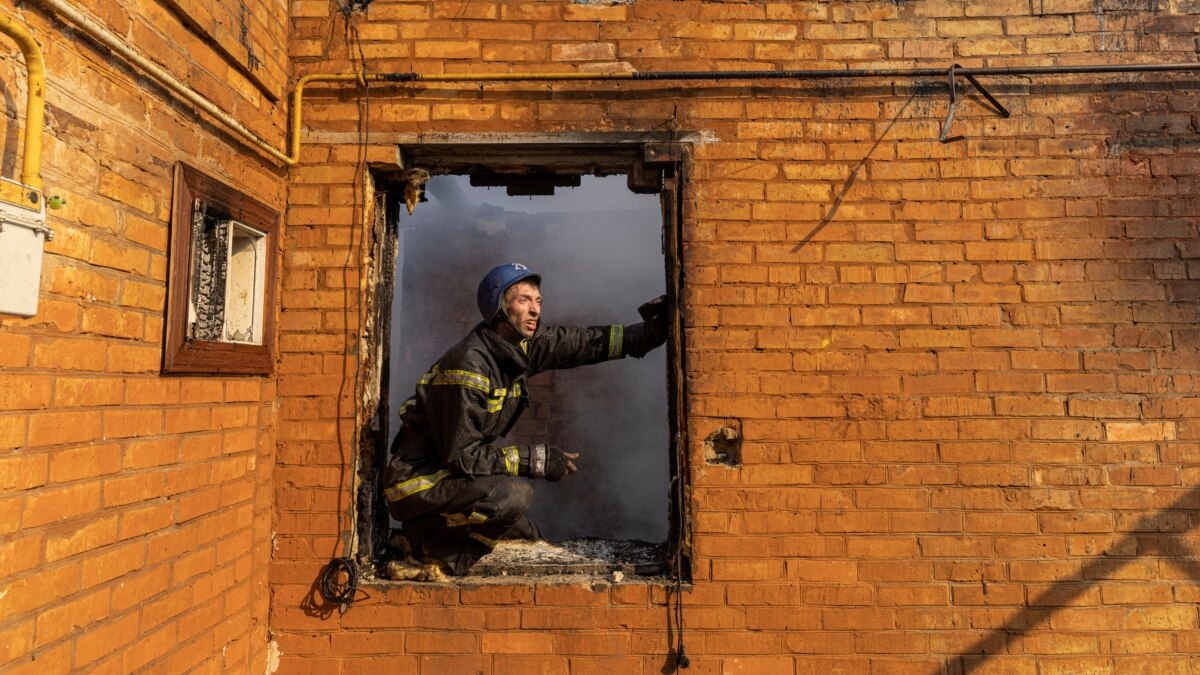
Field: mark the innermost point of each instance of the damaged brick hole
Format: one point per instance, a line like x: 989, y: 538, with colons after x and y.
x: 723, y: 447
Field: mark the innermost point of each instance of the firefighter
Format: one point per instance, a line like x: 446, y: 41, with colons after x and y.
x: 454, y: 488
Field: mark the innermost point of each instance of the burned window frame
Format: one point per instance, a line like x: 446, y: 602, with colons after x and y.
x: 199, y: 197
x: 651, y: 166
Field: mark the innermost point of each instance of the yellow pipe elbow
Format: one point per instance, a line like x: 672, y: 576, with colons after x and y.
x: 35, y: 104
x: 298, y: 100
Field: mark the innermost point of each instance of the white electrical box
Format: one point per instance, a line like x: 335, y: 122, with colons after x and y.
x: 23, y: 236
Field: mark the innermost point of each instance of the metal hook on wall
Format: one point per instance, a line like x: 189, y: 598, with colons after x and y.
x: 953, y: 77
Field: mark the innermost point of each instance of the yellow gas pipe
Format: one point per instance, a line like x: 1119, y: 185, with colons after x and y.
x: 99, y: 33
x: 102, y: 35
x: 35, y: 103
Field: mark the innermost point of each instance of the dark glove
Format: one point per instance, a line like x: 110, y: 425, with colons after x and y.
x: 654, y: 317
x: 654, y: 313
x: 557, y: 464
x: 544, y: 461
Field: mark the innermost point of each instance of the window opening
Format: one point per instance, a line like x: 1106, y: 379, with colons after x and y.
x: 599, y: 248
x: 228, y: 265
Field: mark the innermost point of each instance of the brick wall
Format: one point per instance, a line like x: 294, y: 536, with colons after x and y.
x: 965, y: 372
x: 136, y: 508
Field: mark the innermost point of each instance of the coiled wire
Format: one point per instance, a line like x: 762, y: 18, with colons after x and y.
x: 339, y: 582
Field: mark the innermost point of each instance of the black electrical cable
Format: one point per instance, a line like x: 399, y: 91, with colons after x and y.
x: 339, y: 582
x: 681, y: 658
x: 798, y: 75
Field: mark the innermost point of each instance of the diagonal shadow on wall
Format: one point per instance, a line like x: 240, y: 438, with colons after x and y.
x: 849, y: 182
x: 1159, y: 533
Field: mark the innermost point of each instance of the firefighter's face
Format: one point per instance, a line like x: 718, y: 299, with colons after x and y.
x: 523, y: 308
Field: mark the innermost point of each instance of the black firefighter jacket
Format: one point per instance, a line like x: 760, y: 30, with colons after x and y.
x: 474, y: 394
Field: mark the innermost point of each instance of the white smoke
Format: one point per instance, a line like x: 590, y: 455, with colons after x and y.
x: 598, y: 249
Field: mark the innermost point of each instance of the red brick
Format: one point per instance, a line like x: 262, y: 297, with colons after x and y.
x: 151, y: 391
x: 138, y: 521
x: 132, y: 359
x: 24, y: 392
x: 136, y: 487
x: 13, y: 431
x: 113, y: 562
x: 105, y: 639
x: 70, y: 354
x: 113, y: 322
x: 60, y: 428
x: 132, y: 423
x: 14, y: 350
x: 86, y: 392
x: 1139, y: 431
x: 85, y: 462
x: 49, y: 506
x: 463, y: 643
x: 517, y: 643
x: 16, y: 641
x: 84, y: 283
x: 22, y: 472
x: 133, y: 589
x: 149, y: 647
x: 78, y: 540
x: 149, y: 453
x: 60, y: 621
x: 201, y: 391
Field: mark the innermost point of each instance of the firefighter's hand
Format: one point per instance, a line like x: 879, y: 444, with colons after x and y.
x: 559, y: 464
x: 545, y: 461
x: 654, y: 313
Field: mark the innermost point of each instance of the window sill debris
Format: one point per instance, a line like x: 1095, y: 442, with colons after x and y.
x: 523, y: 561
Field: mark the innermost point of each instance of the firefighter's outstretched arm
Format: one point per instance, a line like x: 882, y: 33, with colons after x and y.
x: 559, y: 347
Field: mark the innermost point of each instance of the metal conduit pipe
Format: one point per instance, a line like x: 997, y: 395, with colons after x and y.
x: 35, y: 100
x: 734, y: 75
x: 713, y: 75
x: 102, y: 35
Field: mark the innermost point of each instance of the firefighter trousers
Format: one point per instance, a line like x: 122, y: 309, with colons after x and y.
x: 470, y: 517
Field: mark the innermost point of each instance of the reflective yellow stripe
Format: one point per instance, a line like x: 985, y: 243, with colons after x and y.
x: 496, y: 400
x: 412, y: 486
x: 459, y: 520
x: 490, y: 543
x: 462, y: 378
x: 512, y: 460
x: 498, y: 396
x: 407, y: 404
x: 616, y: 338
x: 476, y: 377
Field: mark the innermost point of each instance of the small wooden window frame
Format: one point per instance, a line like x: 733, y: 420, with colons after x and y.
x: 180, y: 353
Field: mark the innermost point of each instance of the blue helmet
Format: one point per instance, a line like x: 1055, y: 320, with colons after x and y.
x: 495, y: 283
